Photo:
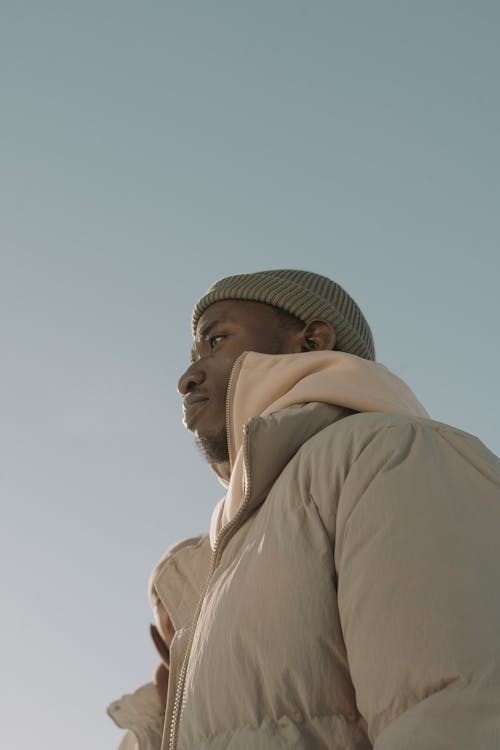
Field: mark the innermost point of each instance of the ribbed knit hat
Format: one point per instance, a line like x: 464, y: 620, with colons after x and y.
x: 304, y: 294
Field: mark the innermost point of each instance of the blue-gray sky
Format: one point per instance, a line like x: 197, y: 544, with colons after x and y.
x: 147, y: 150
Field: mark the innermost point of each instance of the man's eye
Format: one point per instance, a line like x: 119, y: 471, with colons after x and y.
x: 214, y: 340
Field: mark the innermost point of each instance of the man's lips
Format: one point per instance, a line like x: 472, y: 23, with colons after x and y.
x: 193, y: 398
x: 191, y: 404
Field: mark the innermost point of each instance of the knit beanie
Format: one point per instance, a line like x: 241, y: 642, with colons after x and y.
x: 309, y: 296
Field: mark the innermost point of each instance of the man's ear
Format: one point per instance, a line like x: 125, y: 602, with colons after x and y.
x: 318, y: 335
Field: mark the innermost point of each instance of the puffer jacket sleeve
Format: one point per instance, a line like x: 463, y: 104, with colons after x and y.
x: 177, y: 580
x: 142, y: 715
x: 418, y: 561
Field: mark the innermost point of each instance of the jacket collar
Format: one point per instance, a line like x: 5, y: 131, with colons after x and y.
x: 274, y: 440
x: 264, y: 386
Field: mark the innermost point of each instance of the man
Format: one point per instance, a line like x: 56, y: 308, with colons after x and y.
x: 347, y: 595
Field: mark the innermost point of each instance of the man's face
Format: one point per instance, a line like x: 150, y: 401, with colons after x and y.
x: 225, y: 330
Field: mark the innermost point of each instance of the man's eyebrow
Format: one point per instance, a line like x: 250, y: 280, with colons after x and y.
x: 203, y: 335
x: 207, y: 328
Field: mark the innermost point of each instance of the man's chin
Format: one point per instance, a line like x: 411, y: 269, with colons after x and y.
x: 213, y: 447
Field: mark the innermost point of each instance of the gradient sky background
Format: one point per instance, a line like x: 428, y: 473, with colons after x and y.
x: 147, y: 150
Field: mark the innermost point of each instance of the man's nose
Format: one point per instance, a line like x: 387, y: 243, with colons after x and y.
x: 193, y: 376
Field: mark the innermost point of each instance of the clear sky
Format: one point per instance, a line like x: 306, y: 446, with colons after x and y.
x: 148, y: 149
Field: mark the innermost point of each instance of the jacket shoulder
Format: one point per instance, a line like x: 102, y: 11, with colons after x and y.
x: 348, y: 438
x: 363, y: 428
x: 391, y: 454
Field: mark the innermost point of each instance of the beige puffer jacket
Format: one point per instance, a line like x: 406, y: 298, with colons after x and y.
x: 352, y: 597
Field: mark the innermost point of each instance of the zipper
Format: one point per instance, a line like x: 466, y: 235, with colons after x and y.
x: 224, y: 535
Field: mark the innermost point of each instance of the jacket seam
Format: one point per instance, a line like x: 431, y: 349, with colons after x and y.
x: 351, y: 720
x: 383, y: 430
x: 458, y: 683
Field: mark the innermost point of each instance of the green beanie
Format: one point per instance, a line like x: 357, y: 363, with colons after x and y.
x: 304, y: 294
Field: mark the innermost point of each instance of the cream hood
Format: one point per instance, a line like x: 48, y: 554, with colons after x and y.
x: 262, y: 384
